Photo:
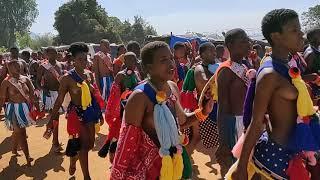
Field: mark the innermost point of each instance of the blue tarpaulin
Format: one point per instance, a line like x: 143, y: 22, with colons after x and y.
x: 175, y: 39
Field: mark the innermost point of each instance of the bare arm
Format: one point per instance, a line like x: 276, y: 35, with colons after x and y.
x: 33, y: 98
x: 95, y: 69
x: 40, y: 74
x: 3, y: 93
x: 63, y: 89
x: 225, y: 77
x: 188, y: 119
x: 135, y: 108
x: 266, y: 85
x: 200, y: 78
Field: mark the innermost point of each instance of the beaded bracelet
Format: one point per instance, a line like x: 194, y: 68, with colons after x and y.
x: 200, y: 116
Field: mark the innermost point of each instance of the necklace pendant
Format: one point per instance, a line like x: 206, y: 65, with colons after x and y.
x: 161, y: 96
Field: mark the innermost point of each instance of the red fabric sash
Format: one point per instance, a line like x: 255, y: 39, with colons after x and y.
x: 137, y: 157
x: 112, y: 114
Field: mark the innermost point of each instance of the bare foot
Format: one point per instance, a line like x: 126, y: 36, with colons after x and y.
x: 29, y: 160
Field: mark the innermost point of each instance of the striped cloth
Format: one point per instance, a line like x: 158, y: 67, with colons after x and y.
x: 19, y: 114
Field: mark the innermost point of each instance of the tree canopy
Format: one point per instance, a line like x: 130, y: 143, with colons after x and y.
x: 16, y: 16
x: 86, y: 20
x: 311, y: 18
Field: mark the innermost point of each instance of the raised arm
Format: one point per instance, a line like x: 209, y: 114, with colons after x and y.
x: 96, y: 72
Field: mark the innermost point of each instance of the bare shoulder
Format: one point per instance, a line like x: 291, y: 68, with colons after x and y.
x: 5, y: 82
x: 65, y: 79
x: 86, y: 71
x: 268, y: 74
x: 174, y: 88
x: 198, y: 69
x: 225, y: 75
x: 135, y: 108
x: 137, y: 97
x: 25, y: 78
x: 119, y: 77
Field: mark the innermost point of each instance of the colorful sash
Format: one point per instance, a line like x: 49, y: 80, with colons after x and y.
x: 52, y: 70
x: 106, y: 59
x: 90, y: 111
x: 18, y: 87
x: 167, y: 131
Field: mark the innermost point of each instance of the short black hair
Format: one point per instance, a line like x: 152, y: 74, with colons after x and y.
x: 220, y: 47
x: 233, y: 34
x: 147, y: 52
x: 14, y: 63
x: 205, y: 46
x: 51, y: 48
x: 132, y: 45
x: 78, y: 47
x: 26, y: 54
x: 257, y: 46
x: 274, y: 20
x: 104, y: 41
x: 179, y: 45
x: 311, y: 33
x: 129, y: 54
x: 120, y: 46
x: 14, y: 48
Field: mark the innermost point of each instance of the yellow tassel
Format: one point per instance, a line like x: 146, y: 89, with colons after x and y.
x: 251, y: 169
x: 177, y: 166
x: 304, y: 102
x: 166, y: 172
x: 85, y: 95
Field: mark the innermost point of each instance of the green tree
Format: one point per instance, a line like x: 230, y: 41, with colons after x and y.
x: 140, y: 29
x: 83, y: 20
x: 86, y: 20
x: 39, y: 41
x: 23, y: 40
x: 311, y: 18
x: 16, y: 16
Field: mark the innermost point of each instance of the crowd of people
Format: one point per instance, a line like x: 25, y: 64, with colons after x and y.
x: 257, y: 105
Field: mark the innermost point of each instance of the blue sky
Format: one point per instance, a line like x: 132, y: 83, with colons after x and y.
x: 179, y: 16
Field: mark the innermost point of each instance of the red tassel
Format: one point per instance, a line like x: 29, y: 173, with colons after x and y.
x: 297, y: 169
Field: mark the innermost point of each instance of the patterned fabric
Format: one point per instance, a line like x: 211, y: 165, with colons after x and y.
x: 112, y: 116
x: 271, y: 157
x: 239, y: 69
x: 19, y: 114
x: 105, y: 85
x: 137, y: 157
x: 209, y: 133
